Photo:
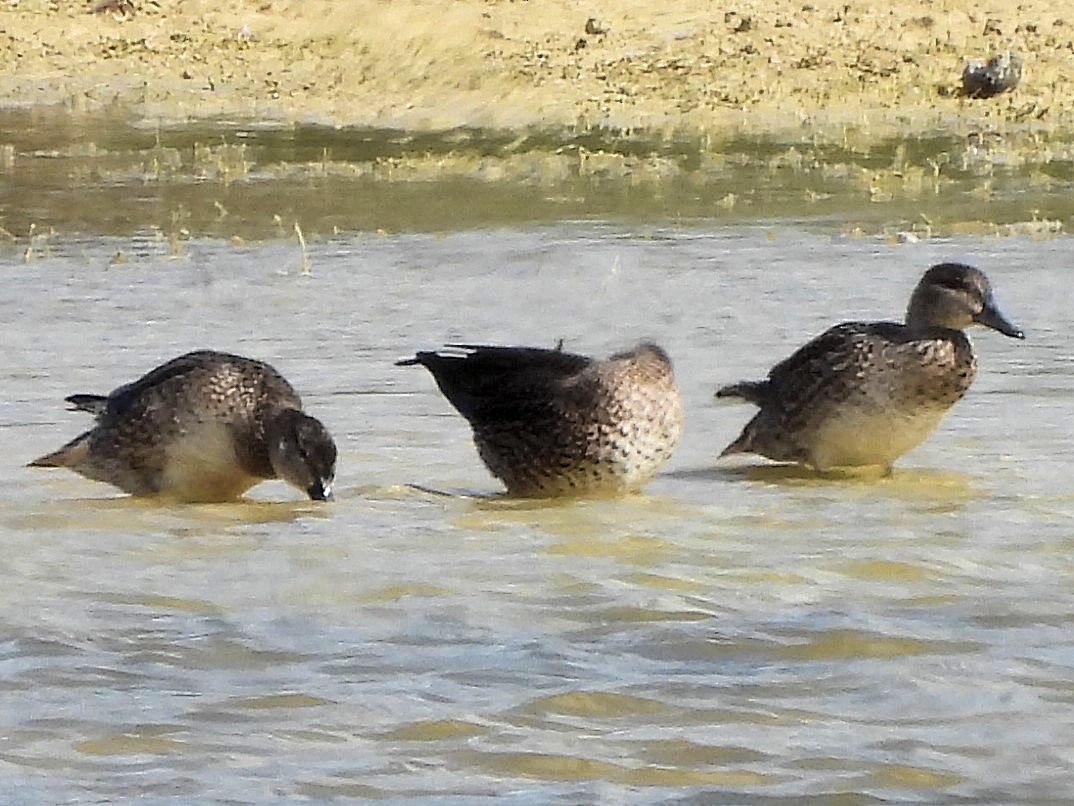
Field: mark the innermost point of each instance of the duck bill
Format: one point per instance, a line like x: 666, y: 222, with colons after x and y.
x: 990, y: 316
x: 320, y: 491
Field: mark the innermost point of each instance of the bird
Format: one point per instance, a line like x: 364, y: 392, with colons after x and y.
x: 203, y: 427
x: 986, y: 79
x: 552, y: 423
x: 865, y: 393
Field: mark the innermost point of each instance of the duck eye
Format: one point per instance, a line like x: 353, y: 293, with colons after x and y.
x: 953, y: 283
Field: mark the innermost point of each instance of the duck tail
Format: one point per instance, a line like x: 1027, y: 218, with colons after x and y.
x: 93, y: 404
x: 744, y: 444
x: 72, y: 454
x: 755, y: 392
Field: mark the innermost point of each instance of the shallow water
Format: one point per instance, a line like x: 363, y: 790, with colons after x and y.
x: 739, y: 633
x: 99, y: 174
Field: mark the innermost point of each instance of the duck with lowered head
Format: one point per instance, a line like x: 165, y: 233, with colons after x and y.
x: 205, y: 426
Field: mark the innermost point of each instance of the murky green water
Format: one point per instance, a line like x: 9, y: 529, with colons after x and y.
x: 737, y: 634
x: 102, y: 176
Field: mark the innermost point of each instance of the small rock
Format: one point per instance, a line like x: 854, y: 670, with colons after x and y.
x: 595, y: 27
x: 738, y: 23
x: 981, y: 79
x: 122, y: 7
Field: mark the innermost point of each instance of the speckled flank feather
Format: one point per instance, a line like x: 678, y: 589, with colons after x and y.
x: 196, y: 428
x: 549, y: 423
x: 865, y: 393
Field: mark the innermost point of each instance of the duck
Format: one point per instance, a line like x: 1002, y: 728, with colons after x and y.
x: 203, y: 427
x: 865, y: 393
x: 551, y: 423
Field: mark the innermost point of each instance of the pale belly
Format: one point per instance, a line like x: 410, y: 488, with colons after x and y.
x: 203, y: 466
x: 871, y: 438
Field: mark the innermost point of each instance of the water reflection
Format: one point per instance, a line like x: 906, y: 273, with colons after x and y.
x: 66, y: 173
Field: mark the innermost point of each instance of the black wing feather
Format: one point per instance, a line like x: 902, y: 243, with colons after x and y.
x: 494, y: 384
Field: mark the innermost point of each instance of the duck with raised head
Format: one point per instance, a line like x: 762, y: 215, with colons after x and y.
x: 865, y: 393
x: 206, y: 426
x: 550, y: 423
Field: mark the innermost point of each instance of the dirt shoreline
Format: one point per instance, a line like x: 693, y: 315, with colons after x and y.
x: 810, y: 69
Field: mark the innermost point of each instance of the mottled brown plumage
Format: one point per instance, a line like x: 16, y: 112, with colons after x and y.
x: 864, y: 393
x: 550, y: 423
x: 205, y: 426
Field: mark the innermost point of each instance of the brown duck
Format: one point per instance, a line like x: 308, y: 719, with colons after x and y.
x: 865, y: 393
x: 550, y: 423
x: 205, y: 426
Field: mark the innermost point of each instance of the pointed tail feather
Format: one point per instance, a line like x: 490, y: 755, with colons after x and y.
x: 744, y: 444
x: 755, y: 392
x: 93, y: 404
x: 48, y: 460
x: 73, y: 453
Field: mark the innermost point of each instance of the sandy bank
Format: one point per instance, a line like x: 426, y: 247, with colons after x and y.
x: 810, y: 67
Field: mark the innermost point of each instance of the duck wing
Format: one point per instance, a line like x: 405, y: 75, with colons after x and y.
x: 496, y: 384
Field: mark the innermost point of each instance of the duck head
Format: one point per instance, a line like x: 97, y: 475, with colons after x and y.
x: 302, y: 453
x: 955, y: 295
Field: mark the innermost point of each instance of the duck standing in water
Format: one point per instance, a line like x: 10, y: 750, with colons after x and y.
x: 550, y: 423
x: 205, y: 426
x: 865, y: 393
